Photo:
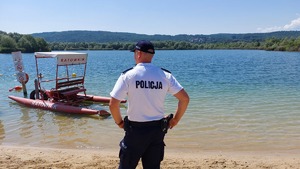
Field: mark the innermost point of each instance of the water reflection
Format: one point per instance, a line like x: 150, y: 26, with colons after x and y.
x: 55, y: 129
x: 26, y: 124
x: 43, y: 127
x: 70, y: 130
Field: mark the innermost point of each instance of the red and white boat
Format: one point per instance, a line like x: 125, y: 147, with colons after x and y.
x: 68, y: 92
x: 57, y: 106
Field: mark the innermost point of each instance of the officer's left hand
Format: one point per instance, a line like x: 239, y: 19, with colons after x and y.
x: 173, y: 122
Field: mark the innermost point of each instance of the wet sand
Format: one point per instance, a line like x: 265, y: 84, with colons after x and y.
x: 37, y: 157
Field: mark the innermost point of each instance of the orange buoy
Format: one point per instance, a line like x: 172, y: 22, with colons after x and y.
x: 17, y: 88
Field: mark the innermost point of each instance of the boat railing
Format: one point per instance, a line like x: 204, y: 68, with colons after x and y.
x: 62, y: 79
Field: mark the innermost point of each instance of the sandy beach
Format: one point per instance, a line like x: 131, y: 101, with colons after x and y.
x: 35, y: 157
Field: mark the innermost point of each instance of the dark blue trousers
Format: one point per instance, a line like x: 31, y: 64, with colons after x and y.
x: 145, y: 143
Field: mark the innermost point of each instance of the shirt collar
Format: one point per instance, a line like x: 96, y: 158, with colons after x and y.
x: 144, y: 64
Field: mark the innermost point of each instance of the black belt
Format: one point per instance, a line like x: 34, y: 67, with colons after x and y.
x: 145, y: 124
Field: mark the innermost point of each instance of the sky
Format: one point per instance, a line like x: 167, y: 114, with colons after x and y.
x: 165, y: 17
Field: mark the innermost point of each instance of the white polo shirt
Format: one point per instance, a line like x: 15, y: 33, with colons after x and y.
x: 146, y: 87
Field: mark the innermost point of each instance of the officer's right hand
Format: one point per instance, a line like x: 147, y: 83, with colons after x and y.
x: 121, y: 125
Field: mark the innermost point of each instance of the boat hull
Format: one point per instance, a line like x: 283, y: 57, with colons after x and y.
x: 57, y: 107
x: 100, y: 99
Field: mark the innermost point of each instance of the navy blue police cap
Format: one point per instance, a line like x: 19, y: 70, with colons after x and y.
x: 144, y: 46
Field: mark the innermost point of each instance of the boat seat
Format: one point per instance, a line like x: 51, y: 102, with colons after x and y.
x: 73, y: 92
x: 67, y: 89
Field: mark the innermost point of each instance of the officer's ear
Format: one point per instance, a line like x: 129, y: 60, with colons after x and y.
x: 139, y: 54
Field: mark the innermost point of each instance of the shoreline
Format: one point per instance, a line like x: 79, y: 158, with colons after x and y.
x: 40, y: 157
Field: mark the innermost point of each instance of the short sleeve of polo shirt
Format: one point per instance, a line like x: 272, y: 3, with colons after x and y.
x: 120, y: 89
x: 175, y: 87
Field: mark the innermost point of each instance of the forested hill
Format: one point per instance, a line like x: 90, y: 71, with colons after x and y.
x: 107, y: 37
x: 101, y: 40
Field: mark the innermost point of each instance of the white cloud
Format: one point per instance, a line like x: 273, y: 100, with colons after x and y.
x: 294, y: 25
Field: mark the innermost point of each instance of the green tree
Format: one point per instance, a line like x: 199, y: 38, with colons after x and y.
x: 15, y: 36
x: 27, y: 44
x: 42, y: 45
x: 7, y: 44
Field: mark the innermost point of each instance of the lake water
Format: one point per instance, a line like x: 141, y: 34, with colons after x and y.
x: 241, y: 100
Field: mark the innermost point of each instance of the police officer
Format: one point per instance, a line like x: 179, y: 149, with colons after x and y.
x: 145, y: 87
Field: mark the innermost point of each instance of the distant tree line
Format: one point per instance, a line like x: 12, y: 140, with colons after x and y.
x: 272, y: 44
x: 28, y: 44
x: 25, y: 43
x: 111, y: 37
